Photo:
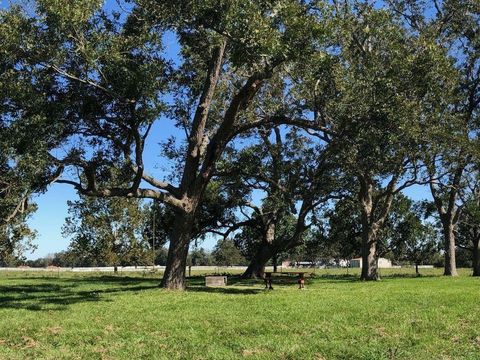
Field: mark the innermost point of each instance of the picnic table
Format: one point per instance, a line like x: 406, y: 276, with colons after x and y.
x: 301, y: 279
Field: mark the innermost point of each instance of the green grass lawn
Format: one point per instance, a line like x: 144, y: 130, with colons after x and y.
x: 85, y: 316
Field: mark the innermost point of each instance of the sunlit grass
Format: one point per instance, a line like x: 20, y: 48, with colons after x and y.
x: 94, y: 316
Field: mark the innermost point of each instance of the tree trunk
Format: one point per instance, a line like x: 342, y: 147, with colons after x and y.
x: 369, y: 230
x: 369, y: 255
x: 449, y: 242
x: 416, y: 270
x: 174, y: 276
x: 476, y: 257
x: 275, y: 262
x: 256, y: 268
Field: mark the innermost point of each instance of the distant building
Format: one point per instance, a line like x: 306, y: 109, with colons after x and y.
x: 382, y: 263
x: 320, y: 264
x: 299, y: 264
x: 305, y: 264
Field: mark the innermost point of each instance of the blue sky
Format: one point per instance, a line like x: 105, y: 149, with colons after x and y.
x: 52, y: 205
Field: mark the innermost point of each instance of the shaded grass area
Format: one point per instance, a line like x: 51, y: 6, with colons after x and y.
x: 94, y: 316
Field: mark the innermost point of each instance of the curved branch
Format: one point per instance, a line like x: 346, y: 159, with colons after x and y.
x: 178, y: 204
x: 307, y: 125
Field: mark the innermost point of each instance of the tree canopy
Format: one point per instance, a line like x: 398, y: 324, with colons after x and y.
x: 310, y: 114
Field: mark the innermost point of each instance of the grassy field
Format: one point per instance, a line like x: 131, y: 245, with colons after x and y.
x: 85, y: 316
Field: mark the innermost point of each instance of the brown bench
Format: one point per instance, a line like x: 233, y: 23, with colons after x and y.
x: 301, y: 279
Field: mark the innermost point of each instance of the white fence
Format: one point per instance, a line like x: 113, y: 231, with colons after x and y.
x: 217, y: 269
x: 119, y: 269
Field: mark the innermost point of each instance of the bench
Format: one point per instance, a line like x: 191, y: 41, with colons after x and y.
x: 213, y: 281
x: 301, y: 279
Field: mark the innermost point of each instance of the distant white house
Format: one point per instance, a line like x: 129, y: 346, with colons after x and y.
x: 382, y: 263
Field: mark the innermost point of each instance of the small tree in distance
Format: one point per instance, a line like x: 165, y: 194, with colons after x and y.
x: 107, y: 232
x: 226, y: 253
x: 413, y: 240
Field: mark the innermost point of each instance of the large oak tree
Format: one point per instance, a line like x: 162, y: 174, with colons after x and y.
x: 111, y: 81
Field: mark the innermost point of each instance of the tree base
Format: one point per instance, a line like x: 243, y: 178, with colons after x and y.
x: 172, y: 286
x: 370, y: 278
x: 250, y: 276
x: 450, y: 273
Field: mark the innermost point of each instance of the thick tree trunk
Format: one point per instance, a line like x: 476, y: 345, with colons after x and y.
x: 369, y: 230
x: 256, y: 268
x: 449, y: 242
x: 449, y: 214
x: 174, y: 276
x: 476, y: 257
x: 369, y: 256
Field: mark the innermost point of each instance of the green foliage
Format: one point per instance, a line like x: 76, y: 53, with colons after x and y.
x: 406, y: 236
x: 16, y: 238
x: 107, y: 232
x: 200, y: 257
x: 257, y: 31
x: 286, y: 169
x: 216, y: 208
x: 251, y: 238
x: 72, y: 70
x: 468, y: 233
x: 382, y: 78
x: 317, y: 248
x: 412, y: 239
x: 343, y: 240
x: 226, y: 253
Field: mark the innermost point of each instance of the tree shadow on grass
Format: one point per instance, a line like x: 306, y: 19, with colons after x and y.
x: 47, y: 296
x: 237, y: 285
x: 408, y: 276
x: 352, y: 278
x: 91, y: 279
x: 117, y: 280
x: 237, y: 280
x: 197, y: 284
x: 225, y: 290
x: 336, y: 278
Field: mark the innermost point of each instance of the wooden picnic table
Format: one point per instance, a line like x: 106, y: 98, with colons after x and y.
x: 301, y: 278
